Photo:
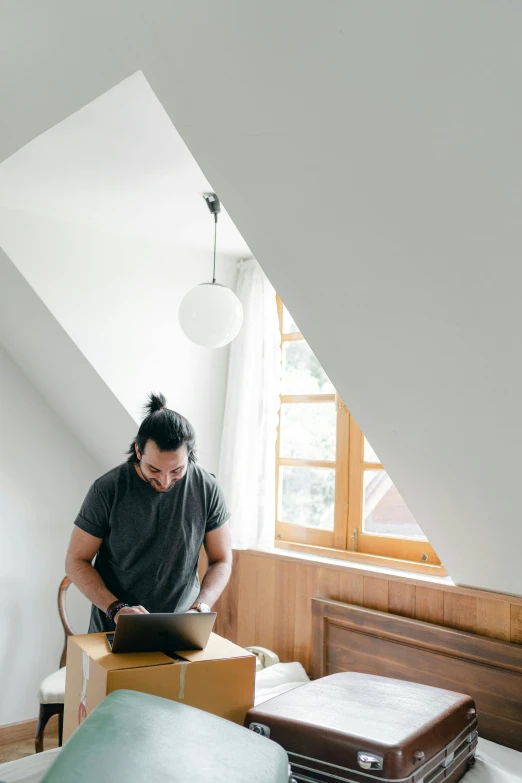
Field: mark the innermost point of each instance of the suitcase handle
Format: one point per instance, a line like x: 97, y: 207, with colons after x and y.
x: 369, y: 761
x: 257, y: 728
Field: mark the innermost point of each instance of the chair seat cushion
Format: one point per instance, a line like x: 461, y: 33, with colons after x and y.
x: 52, y: 689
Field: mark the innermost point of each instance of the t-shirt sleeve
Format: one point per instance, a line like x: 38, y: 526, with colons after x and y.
x: 94, y: 514
x: 218, y: 512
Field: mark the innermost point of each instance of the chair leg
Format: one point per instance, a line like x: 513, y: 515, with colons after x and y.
x: 60, y: 729
x: 46, y: 712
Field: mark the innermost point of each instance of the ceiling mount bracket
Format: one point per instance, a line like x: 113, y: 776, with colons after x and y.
x: 213, y: 203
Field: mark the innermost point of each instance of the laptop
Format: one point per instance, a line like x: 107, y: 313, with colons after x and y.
x: 165, y: 633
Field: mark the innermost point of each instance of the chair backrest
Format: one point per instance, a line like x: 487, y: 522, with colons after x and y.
x: 68, y: 631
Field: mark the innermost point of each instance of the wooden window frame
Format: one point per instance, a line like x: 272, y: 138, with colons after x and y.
x: 347, y: 540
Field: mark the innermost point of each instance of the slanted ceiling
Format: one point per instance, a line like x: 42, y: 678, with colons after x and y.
x: 370, y: 155
x: 57, y: 368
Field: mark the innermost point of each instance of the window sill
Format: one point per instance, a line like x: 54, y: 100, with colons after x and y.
x: 364, y: 565
x: 366, y: 561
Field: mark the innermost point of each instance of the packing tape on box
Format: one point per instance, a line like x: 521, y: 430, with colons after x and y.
x: 82, y: 707
x: 182, y: 675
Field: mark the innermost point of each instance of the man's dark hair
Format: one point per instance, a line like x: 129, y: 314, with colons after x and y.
x: 169, y: 430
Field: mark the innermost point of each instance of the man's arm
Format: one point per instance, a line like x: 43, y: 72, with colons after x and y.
x: 79, y: 569
x: 218, y: 546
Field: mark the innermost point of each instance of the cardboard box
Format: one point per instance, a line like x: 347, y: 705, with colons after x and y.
x: 219, y: 679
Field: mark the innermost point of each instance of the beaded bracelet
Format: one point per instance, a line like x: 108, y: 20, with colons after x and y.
x: 114, y: 608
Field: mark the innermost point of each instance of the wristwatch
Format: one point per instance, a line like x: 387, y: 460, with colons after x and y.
x: 202, y: 608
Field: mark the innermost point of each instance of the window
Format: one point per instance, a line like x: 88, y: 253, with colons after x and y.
x: 332, y: 490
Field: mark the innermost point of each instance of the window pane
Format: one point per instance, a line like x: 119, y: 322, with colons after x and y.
x: 306, y: 497
x: 369, y: 453
x: 302, y: 373
x: 289, y: 325
x: 384, y: 511
x: 308, y: 430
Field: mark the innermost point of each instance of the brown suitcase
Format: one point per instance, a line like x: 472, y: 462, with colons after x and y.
x: 360, y: 728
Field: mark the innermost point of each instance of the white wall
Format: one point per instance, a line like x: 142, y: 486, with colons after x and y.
x: 118, y: 298
x: 44, y: 475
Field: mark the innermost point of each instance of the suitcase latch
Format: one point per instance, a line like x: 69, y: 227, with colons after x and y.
x: 369, y: 761
x: 260, y: 728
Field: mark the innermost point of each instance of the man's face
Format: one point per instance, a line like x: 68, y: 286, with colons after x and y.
x: 162, y: 469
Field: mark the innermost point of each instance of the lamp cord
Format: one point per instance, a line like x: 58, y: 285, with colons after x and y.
x: 215, y: 239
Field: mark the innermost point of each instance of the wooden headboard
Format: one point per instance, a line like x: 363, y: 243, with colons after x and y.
x: 351, y: 638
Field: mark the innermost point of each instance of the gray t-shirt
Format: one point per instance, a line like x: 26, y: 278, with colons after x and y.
x: 151, y: 540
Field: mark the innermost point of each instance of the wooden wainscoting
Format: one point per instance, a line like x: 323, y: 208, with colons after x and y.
x: 268, y: 602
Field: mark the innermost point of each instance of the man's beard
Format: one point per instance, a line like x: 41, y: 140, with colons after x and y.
x: 154, y: 483
x: 158, y: 488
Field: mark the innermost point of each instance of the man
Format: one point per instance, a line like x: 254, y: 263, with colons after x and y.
x: 145, y: 521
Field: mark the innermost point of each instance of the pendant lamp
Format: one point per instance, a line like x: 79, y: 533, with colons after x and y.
x: 210, y: 314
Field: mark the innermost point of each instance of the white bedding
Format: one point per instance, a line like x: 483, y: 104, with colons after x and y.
x: 278, y: 679
x: 495, y: 764
x: 31, y: 769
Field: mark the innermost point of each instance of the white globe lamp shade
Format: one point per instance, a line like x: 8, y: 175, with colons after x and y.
x: 211, y: 315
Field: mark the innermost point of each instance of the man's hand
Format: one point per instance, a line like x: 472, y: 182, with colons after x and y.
x: 130, y: 610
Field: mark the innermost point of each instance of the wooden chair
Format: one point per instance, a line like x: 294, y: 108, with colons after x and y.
x: 52, y: 690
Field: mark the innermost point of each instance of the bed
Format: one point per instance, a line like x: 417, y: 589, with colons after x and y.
x: 351, y: 638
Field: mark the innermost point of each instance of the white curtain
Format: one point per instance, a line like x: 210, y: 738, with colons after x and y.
x: 247, y: 462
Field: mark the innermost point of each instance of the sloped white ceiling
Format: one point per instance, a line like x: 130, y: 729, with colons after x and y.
x: 370, y: 155
x: 118, y: 164
x: 58, y: 369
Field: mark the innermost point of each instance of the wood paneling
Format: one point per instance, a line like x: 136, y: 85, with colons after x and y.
x: 493, y: 619
x: 401, y: 599
x: 352, y: 588
x: 516, y: 624
x: 246, y: 610
x: 306, y: 588
x: 328, y: 583
x: 265, y: 606
x: 268, y: 602
x: 429, y: 605
x: 284, y: 632
x: 375, y: 593
x: 460, y: 611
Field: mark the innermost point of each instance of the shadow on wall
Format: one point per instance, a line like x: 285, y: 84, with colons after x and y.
x: 45, y: 474
x: 10, y: 630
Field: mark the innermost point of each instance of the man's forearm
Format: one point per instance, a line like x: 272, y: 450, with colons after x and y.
x: 89, y: 582
x: 214, y: 582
